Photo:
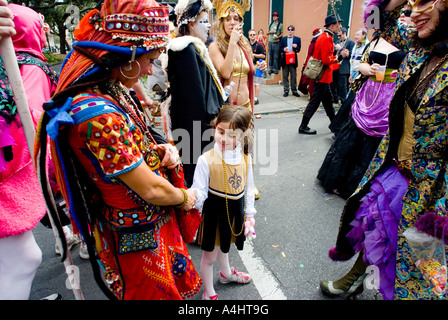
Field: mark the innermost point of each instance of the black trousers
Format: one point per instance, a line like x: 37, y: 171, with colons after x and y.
x: 321, y: 93
x: 343, y: 87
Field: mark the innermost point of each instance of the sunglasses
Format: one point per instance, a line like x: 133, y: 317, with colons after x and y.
x: 407, y: 13
x: 290, y: 29
x: 420, y: 6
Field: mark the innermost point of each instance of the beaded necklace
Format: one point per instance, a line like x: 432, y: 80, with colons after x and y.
x: 116, y: 90
x: 225, y: 190
x: 422, y: 83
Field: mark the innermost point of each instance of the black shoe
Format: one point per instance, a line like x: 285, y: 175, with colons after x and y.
x: 285, y: 94
x: 296, y: 94
x: 257, y: 101
x: 307, y: 130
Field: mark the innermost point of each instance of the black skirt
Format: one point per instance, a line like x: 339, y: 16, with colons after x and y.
x: 343, y: 114
x: 347, y: 160
x: 215, y: 229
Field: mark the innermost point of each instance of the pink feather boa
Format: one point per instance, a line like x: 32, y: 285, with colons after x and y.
x: 433, y: 225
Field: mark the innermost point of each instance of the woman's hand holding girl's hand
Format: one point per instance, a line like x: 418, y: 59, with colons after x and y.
x: 191, y: 200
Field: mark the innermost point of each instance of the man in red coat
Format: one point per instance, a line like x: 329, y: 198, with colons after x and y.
x: 323, y: 51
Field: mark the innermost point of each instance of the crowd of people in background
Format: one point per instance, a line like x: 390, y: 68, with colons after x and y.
x: 136, y: 202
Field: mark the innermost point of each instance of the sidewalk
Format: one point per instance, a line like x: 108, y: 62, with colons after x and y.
x: 272, y: 100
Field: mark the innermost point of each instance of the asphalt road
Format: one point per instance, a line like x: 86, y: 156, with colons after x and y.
x: 297, y: 223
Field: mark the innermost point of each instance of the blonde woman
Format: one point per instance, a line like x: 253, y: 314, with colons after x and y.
x: 232, y: 56
x: 231, y: 53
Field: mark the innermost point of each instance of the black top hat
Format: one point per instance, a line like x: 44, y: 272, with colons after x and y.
x: 332, y: 18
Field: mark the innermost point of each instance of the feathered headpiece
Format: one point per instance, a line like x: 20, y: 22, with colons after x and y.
x: 223, y: 7
x: 185, y: 15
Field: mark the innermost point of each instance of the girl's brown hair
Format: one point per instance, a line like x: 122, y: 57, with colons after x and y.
x: 240, y: 118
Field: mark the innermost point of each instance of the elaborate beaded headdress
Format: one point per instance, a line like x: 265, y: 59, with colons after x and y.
x: 143, y: 22
x: 151, y: 26
x: 127, y: 27
x: 223, y: 7
x: 183, y: 13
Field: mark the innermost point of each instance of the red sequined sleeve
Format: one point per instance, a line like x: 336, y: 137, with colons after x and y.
x: 113, y: 142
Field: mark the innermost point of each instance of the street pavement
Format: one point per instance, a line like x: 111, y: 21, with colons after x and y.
x: 296, y: 223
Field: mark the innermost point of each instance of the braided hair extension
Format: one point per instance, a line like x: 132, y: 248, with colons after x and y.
x: 102, y: 68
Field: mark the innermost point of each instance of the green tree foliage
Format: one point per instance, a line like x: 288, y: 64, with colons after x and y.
x: 60, y: 16
x: 57, y: 15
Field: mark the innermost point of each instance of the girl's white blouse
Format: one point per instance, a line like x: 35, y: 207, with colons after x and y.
x: 202, y: 177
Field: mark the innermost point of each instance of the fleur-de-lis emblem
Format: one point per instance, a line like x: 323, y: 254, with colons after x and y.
x: 235, y: 180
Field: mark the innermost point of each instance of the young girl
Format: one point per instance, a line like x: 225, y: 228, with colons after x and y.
x: 224, y: 185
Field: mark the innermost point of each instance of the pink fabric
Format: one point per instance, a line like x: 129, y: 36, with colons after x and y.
x: 30, y: 36
x: 5, y: 140
x: 38, y: 88
x: 21, y: 201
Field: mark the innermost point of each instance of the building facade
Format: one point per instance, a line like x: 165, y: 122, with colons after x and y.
x: 305, y: 15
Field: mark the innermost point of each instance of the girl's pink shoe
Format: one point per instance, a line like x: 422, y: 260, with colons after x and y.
x: 204, y: 297
x: 238, y: 277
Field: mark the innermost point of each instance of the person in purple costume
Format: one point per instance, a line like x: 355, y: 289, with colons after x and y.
x: 405, y: 185
x: 350, y: 155
x: 359, y: 137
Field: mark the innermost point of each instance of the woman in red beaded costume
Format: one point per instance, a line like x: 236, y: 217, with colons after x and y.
x: 117, y: 176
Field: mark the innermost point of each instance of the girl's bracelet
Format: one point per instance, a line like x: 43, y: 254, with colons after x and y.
x: 185, y: 198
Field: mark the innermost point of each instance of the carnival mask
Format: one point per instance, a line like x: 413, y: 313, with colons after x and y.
x: 420, y: 6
